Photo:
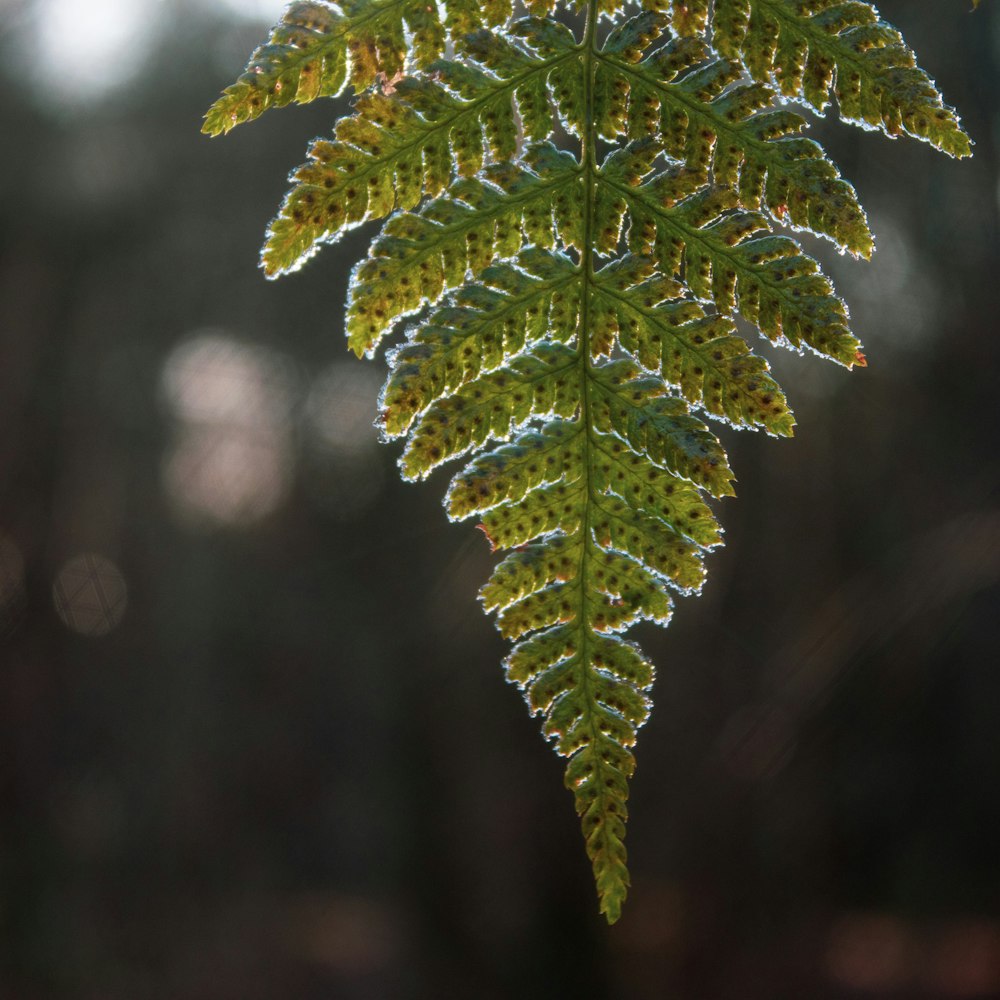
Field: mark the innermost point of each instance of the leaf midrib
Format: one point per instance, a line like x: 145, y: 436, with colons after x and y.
x: 378, y: 164
x: 822, y: 40
x: 692, y: 234
x: 589, y: 52
x: 472, y: 331
x: 705, y: 358
x: 346, y: 25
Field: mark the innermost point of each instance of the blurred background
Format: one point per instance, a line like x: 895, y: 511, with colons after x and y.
x: 255, y: 741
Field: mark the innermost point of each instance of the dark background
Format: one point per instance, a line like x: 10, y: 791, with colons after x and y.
x: 255, y: 740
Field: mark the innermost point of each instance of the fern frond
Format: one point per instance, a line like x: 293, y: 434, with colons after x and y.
x: 572, y: 307
x: 599, y: 503
x: 703, y: 120
x: 533, y: 384
x: 699, y: 354
x: 811, y: 48
x: 487, y: 323
x: 318, y: 48
x: 419, y: 257
x: 396, y: 149
x: 599, y: 530
x: 729, y: 258
x: 689, y: 17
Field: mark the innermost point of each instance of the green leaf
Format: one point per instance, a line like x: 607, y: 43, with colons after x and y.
x: 818, y: 47
x: 316, y: 49
x: 487, y: 323
x: 705, y: 120
x: 571, y: 222
x: 728, y: 260
x: 418, y: 257
x: 698, y: 353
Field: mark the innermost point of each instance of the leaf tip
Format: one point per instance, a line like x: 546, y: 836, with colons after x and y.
x: 613, y: 892
x: 489, y: 537
x: 213, y: 125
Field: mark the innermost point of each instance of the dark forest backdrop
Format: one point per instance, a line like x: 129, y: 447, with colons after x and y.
x: 255, y: 742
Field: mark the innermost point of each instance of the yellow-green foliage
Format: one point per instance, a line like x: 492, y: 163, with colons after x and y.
x: 578, y: 202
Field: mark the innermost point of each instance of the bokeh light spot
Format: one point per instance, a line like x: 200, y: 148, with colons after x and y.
x: 965, y: 961
x: 869, y: 952
x: 228, y: 475
x: 341, y: 407
x: 80, y: 50
x: 214, y: 378
x: 90, y: 595
x: 232, y: 461
x: 344, y: 472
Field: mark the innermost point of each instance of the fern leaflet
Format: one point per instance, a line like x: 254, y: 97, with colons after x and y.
x: 573, y: 221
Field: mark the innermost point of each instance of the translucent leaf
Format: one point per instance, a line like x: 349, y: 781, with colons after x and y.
x: 571, y: 220
x: 706, y: 122
x: 815, y: 48
x: 317, y: 48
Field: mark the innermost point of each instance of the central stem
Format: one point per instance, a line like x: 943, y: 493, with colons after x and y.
x: 588, y: 161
